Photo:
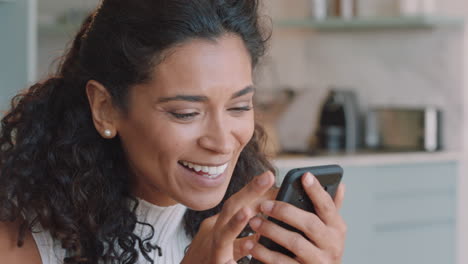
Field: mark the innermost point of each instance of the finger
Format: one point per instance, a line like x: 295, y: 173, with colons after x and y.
x: 240, y: 250
x: 263, y: 254
x: 231, y: 262
x: 247, y: 196
x: 226, y: 236
x: 290, y: 240
x: 339, y: 197
x: 309, y: 223
x: 323, y: 203
x: 271, y: 193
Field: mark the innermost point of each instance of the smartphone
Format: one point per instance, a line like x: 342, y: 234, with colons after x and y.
x: 292, y: 191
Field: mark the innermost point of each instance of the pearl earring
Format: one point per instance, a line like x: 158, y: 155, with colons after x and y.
x: 108, y: 133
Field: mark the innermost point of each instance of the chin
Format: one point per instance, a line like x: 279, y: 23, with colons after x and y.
x: 202, y: 203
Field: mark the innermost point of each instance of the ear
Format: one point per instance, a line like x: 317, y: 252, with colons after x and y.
x: 105, y: 115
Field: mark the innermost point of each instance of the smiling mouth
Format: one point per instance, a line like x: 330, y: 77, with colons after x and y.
x: 205, y: 171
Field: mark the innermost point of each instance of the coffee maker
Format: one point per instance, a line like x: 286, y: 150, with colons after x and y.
x: 339, y: 125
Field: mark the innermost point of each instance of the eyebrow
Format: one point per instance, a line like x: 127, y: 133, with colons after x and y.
x: 202, y: 98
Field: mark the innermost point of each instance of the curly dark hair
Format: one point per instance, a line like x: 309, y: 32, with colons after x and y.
x: 58, y: 171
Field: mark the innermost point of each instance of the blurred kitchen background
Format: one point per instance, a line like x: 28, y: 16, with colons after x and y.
x: 377, y: 86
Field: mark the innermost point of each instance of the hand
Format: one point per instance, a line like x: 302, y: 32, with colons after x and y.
x: 216, y: 242
x: 325, y: 230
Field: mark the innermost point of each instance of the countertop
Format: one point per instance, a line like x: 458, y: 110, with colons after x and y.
x: 365, y: 158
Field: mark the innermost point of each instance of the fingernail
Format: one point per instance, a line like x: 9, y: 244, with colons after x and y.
x: 267, y: 206
x: 255, y: 223
x: 263, y: 180
x: 240, y: 216
x: 308, y: 180
x: 249, y: 245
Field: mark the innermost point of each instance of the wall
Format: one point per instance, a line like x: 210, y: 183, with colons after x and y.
x: 52, y: 40
x: 17, y: 48
x: 52, y: 8
x: 51, y: 46
x: 410, y: 67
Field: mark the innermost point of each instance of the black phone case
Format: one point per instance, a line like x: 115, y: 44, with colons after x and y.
x: 292, y: 192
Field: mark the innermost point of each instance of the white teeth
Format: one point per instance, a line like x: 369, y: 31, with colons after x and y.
x: 224, y: 167
x: 213, y: 171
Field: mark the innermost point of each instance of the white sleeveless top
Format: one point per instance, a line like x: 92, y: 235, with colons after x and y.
x: 169, y: 234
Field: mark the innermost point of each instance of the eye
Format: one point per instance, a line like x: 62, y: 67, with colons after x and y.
x: 240, y: 109
x: 184, y: 116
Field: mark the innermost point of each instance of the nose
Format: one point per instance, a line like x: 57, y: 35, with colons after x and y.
x: 217, y: 137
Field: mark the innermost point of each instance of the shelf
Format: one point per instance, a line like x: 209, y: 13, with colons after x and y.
x: 332, y: 24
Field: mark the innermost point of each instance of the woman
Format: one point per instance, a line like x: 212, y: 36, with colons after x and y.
x: 143, y: 147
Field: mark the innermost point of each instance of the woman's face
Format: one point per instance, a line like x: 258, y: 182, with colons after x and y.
x: 186, y: 128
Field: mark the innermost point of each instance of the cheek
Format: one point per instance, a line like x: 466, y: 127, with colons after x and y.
x: 171, y: 140
x: 151, y: 140
x: 244, y: 131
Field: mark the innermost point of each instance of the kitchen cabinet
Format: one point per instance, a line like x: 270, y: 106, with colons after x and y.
x: 399, y: 208
x: 17, y: 47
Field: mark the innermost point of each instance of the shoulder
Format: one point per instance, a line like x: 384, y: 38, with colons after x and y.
x: 10, y: 252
